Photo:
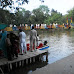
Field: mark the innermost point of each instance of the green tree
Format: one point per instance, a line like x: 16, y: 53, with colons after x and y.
x: 5, y: 16
x: 45, y: 10
x: 22, y: 17
x: 71, y: 14
x: 55, y: 17
x: 40, y: 14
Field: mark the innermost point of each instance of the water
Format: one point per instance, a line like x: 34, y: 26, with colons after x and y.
x: 61, y: 45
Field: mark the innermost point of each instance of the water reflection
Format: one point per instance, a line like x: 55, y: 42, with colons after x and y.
x: 29, y: 68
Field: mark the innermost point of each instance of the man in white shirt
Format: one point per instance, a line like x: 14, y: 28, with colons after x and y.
x: 22, y: 38
x: 33, y: 36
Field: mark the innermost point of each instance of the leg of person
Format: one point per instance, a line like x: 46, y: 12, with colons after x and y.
x: 34, y: 44
x: 37, y: 44
x: 25, y: 48
x: 16, y: 53
x: 21, y: 50
x: 12, y: 51
x: 31, y: 45
x: 5, y: 51
x: 9, y: 55
x: 16, y: 50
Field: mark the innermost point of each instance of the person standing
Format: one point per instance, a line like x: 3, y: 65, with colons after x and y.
x: 3, y: 44
x: 22, y: 38
x: 14, y: 49
x: 8, y: 45
x: 33, y: 36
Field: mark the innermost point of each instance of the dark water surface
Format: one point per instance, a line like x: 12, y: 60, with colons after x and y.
x: 61, y: 45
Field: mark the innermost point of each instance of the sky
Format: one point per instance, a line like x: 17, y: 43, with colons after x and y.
x: 61, y: 6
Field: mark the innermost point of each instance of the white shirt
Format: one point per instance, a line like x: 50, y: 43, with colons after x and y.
x: 22, y: 37
x: 37, y: 38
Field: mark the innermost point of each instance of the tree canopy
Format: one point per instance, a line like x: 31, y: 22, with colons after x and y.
x: 40, y: 15
x: 71, y: 14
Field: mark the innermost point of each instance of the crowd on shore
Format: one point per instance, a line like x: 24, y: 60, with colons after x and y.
x: 11, y: 44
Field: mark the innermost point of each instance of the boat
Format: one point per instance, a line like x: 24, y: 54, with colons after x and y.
x: 40, y: 47
x: 44, y: 47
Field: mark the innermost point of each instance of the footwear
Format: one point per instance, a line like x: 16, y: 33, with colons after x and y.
x: 35, y: 50
x: 25, y: 52
x: 10, y: 59
x: 31, y: 50
x: 20, y: 54
x: 16, y: 56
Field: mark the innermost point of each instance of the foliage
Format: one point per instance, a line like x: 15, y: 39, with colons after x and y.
x: 5, y: 16
x: 71, y: 14
x: 22, y: 17
x: 55, y: 17
x: 39, y: 15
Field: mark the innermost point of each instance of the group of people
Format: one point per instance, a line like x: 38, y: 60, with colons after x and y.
x: 9, y: 44
x: 13, y: 43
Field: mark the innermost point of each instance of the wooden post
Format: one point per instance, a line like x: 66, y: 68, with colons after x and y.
x: 13, y: 66
x: 1, y: 70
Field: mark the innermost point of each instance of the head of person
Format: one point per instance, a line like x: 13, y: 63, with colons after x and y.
x: 32, y: 27
x: 20, y: 30
x: 3, y: 31
x: 11, y: 34
x: 0, y: 29
x: 37, y: 34
x: 8, y: 35
x: 45, y: 42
